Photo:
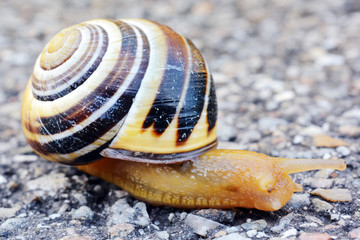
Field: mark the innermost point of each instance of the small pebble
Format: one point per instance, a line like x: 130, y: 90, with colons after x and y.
x: 269, y: 124
x: 321, y: 205
x: 355, y: 233
x: 120, y: 194
x: 220, y: 78
x: 155, y: 225
x: 322, y: 140
x: 83, y: 212
x: 330, y: 60
x: 63, y: 208
x: 283, y: 223
x: 298, y: 139
x: 339, y: 181
x: 299, y: 200
x: 2, y: 179
x: 334, y: 216
x: 261, y: 235
x: 233, y: 236
x: 326, y: 155
x: 233, y: 229
x: 258, y: 225
x: 82, y: 237
x: 217, y: 215
x: 349, y: 130
x: 200, y: 225
x: 343, y: 151
x: 308, y: 225
x: 11, y: 224
x: 25, y: 158
x: 227, y: 132
x: 289, y: 233
x: 284, y: 96
x: 163, y: 235
x: 183, y: 215
x: 346, y: 216
x: 80, y: 198
x: 313, y: 219
x: 312, y: 131
x: 341, y: 222
x: 251, y: 136
x: 319, y: 182
x: 251, y: 233
x: 54, y: 216
x: 141, y: 231
x: 323, y: 173
x: 9, y: 212
x: 356, y: 183
x: 71, y: 231
x: 121, y: 230
x: 171, y: 217
x: 265, y: 82
x: 202, y: 8
x: 50, y: 184
x: 220, y: 234
x: 141, y: 216
x: 120, y: 212
x: 314, y: 236
x: 333, y: 195
x: 272, y: 105
x: 353, y: 113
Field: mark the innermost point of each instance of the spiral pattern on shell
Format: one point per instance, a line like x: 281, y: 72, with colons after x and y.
x: 124, y: 89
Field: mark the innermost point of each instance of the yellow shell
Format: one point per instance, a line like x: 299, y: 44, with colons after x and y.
x: 130, y: 89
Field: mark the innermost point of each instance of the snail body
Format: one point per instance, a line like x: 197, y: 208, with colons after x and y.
x: 133, y: 102
x: 219, y: 178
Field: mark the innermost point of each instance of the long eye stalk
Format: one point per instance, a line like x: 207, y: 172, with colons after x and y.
x: 301, y: 165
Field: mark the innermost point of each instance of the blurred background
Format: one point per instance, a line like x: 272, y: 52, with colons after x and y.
x: 270, y: 50
x: 264, y: 55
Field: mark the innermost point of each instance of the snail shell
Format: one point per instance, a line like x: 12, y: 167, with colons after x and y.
x: 130, y: 89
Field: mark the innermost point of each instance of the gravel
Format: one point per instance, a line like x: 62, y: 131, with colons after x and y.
x: 320, y: 205
x: 334, y: 195
x: 355, y: 233
x: 257, y: 225
x: 201, y: 225
x: 285, y: 72
x: 299, y: 200
x: 83, y: 212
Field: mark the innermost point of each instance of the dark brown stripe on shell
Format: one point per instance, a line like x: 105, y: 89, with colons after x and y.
x: 84, y: 59
x: 37, y: 83
x: 167, y: 99
x: 96, y: 99
x: 114, y: 115
x: 90, y: 156
x: 72, y: 52
x: 193, y: 105
x: 212, y: 107
x: 66, y: 77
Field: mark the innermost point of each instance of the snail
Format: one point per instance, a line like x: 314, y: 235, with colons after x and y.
x: 132, y: 101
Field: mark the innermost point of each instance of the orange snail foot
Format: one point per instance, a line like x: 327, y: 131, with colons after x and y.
x: 217, y: 179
